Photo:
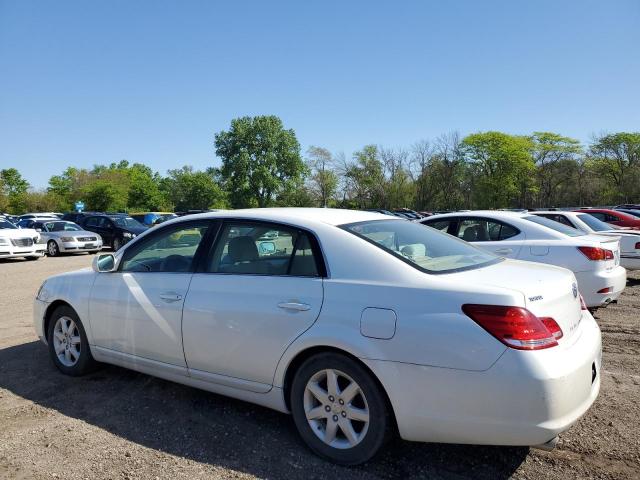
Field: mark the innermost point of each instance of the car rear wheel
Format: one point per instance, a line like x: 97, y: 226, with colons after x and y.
x: 52, y: 249
x: 68, y: 344
x: 339, y: 409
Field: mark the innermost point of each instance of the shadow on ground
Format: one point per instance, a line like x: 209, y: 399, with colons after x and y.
x: 209, y: 428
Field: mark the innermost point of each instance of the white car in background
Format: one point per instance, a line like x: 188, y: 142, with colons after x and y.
x: 17, y: 242
x: 61, y: 236
x: 357, y: 323
x: 594, y: 260
x: 629, y: 239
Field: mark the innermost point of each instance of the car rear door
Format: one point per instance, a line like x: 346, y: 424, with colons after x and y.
x: 258, y: 290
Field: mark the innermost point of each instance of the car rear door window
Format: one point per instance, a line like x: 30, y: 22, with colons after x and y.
x: 442, y: 225
x: 263, y: 249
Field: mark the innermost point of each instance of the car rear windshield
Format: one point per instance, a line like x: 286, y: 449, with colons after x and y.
x: 423, y: 247
x: 595, y: 223
x: 553, y: 225
x: 62, y: 227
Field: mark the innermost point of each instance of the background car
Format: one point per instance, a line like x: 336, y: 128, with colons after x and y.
x: 67, y: 237
x: 79, y: 217
x: 630, y: 211
x: 359, y: 324
x: 16, y: 242
x: 594, y: 260
x: 629, y: 239
x: 38, y: 215
x: 614, y: 217
x: 115, y: 230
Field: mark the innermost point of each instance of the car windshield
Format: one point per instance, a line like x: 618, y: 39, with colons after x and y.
x: 595, y: 223
x: 62, y: 227
x: 126, y: 222
x: 423, y: 247
x: 553, y: 225
x: 6, y: 224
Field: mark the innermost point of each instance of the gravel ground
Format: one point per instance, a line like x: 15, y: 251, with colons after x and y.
x: 119, y: 424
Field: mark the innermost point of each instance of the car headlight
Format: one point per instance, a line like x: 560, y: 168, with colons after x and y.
x: 128, y: 235
x: 42, y: 294
x: 67, y: 239
x: 4, y: 241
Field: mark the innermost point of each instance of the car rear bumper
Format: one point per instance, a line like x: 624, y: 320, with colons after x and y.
x: 524, y: 399
x: 590, y: 283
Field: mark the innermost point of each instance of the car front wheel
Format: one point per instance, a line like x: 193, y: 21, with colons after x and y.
x: 52, y: 249
x: 339, y: 409
x: 68, y: 344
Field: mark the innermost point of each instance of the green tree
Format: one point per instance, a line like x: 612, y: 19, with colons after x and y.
x: 260, y: 160
x: 554, y: 155
x: 617, y: 156
x: 502, y: 164
x: 104, y: 195
x: 365, y: 178
x: 14, y: 188
x: 187, y: 189
x: 323, y: 181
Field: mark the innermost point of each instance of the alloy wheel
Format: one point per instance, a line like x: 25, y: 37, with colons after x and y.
x: 336, y: 409
x: 53, y: 249
x: 66, y: 341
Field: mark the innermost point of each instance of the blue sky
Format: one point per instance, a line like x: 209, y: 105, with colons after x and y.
x: 152, y: 81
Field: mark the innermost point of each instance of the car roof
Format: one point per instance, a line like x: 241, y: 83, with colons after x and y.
x: 478, y: 213
x: 301, y: 216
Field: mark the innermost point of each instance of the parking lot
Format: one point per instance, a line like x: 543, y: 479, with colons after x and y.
x: 116, y: 423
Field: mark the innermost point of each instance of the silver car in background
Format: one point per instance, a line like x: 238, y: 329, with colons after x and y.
x: 66, y: 237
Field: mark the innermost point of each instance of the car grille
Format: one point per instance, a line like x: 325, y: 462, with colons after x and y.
x: 22, y: 242
x: 87, y: 239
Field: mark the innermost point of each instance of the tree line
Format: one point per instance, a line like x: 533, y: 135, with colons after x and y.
x: 262, y: 165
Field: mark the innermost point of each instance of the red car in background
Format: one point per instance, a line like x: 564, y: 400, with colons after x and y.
x: 614, y: 217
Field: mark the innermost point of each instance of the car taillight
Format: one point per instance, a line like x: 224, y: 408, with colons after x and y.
x: 552, y: 326
x: 583, y: 306
x: 595, y: 253
x: 606, y: 290
x: 516, y: 327
x: 638, y: 246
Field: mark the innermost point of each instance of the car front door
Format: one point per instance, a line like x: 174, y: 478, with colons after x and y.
x: 137, y: 310
x: 492, y: 235
x: 260, y: 288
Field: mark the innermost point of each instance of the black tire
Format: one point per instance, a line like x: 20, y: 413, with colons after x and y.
x: 85, y: 363
x: 380, y: 420
x: 116, y: 243
x: 52, y: 249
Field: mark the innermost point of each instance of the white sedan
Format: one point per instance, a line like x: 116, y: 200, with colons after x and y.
x: 594, y: 260
x: 357, y: 323
x: 629, y: 239
x: 19, y: 242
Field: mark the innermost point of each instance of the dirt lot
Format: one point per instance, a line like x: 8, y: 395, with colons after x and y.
x: 119, y: 424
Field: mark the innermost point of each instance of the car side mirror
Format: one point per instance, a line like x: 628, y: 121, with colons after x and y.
x: 267, y: 247
x: 103, y: 263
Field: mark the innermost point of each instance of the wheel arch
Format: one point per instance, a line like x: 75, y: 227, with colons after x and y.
x: 49, y: 312
x: 304, y: 354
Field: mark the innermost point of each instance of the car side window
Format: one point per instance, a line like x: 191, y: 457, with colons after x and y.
x: 612, y: 218
x: 442, y: 225
x: 104, y: 223
x: 171, y: 250
x: 91, y: 222
x: 482, y: 230
x: 562, y: 219
x: 599, y: 216
x: 263, y: 249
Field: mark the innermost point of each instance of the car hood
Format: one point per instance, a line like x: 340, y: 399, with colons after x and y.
x: 548, y: 291
x: 18, y: 233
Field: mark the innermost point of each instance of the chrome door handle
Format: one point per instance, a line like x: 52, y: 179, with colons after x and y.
x: 170, y: 297
x: 294, y: 306
x: 504, y: 251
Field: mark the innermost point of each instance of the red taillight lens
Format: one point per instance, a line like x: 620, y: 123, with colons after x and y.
x: 606, y: 290
x: 595, y: 254
x: 638, y: 246
x: 583, y: 306
x: 553, y: 327
x: 516, y: 327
